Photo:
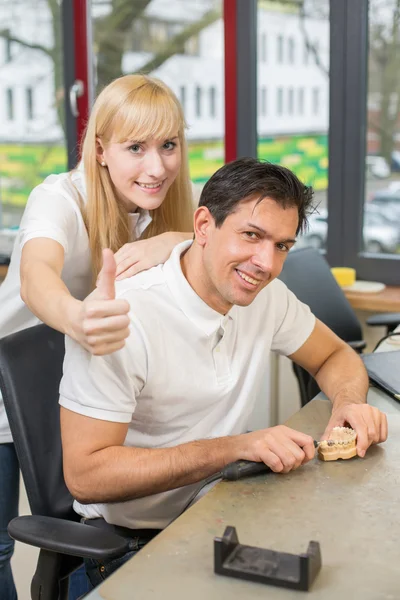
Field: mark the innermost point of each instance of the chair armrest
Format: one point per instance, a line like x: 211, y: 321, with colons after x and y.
x: 67, y: 537
x: 390, y: 320
x: 358, y: 345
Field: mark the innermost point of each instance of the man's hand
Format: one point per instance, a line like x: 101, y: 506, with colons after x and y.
x: 281, y: 448
x: 368, y: 422
x: 100, y: 323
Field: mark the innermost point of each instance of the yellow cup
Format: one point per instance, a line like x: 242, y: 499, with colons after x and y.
x: 345, y: 276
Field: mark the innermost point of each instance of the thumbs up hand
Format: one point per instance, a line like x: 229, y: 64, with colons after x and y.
x: 102, y: 323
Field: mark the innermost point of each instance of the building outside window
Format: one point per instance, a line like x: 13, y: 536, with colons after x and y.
x: 290, y: 101
x: 279, y: 49
x: 198, y: 98
x: 300, y: 101
x: 212, y: 96
x: 9, y: 104
x: 315, y: 100
x: 29, y: 103
x: 279, y: 101
x: 291, y: 51
x: 263, y: 49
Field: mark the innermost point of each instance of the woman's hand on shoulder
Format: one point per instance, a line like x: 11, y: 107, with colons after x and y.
x: 138, y: 256
x: 101, y: 323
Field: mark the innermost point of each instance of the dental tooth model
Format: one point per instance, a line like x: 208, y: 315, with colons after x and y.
x: 341, y: 444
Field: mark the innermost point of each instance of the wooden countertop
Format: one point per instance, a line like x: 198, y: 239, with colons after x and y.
x: 386, y: 301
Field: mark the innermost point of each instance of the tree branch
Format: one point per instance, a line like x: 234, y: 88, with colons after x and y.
x: 310, y: 46
x: 4, y: 33
x: 177, y: 44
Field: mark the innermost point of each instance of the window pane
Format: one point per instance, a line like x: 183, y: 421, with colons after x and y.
x: 180, y: 42
x: 381, y: 227
x: 32, y: 141
x: 294, y: 132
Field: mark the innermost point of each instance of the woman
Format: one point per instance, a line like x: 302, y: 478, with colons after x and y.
x: 132, y: 185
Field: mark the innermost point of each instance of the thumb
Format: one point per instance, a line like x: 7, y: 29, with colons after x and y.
x: 333, y: 422
x: 106, y: 279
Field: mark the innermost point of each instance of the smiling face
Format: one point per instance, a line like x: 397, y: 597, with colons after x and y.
x: 141, y: 171
x: 245, y: 253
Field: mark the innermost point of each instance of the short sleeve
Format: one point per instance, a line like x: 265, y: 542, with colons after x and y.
x: 49, y: 213
x: 294, y: 322
x: 104, y: 387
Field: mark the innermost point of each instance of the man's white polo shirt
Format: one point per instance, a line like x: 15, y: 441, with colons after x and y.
x: 185, y: 373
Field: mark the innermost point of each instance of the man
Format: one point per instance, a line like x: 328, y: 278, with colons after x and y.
x: 144, y: 427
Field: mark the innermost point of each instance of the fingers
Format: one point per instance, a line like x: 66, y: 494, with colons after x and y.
x: 273, y: 461
x: 290, y: 449
x: 105, y: 348
x: 105, y: 325
x: 94, y: 309
x: 132, y: 269
x: 369, y: 423
x: 106, y: 279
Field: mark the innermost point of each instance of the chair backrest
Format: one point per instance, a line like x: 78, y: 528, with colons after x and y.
x: 307, y: 274
x: 30, y: 373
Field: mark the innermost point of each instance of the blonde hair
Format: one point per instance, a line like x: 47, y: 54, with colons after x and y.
x: 130, y: 108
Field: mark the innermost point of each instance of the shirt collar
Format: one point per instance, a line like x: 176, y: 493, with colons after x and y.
x: 139, y: 220
x: 202, y: 316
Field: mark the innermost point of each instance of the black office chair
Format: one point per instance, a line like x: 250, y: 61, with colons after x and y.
x: 30, y: 372
x: 307, y: 274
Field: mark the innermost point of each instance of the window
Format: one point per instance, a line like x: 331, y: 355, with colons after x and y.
x: 291, y: 51
x: 381, y: 226
x: 182, y: 97
x: 306, y: 53
x: 29, y: 103
x: 279, y: 101
x: 263, y: 49
x: 213, y: 110
x: 32, y: 142
x: 8, y: 54
x: 300, y: 101
x: 176, y: 41
x: 9, y: 104
x: 263, y: 103
x: 279, y: 49
x: 290, y: 101
x: 198, y: 102
x: 293, y: 135
x: 315, y: 100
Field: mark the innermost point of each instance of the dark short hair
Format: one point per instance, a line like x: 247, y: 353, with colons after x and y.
x: 247, y: 178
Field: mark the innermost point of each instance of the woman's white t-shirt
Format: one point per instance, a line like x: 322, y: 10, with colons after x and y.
x: 52, y: 211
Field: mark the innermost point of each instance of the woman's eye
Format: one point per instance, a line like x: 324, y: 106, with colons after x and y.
x: 169, y: 145
x: 135, y: 148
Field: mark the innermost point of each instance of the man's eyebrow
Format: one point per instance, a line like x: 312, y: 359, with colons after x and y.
x: 261, y: 230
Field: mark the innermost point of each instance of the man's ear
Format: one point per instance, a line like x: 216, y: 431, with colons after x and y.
x: 99, y: 150
x: 204, y: 223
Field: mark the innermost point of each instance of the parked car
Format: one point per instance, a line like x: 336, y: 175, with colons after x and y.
x: 388, y: 201
x: 379, y: 233
x: 376, y: 166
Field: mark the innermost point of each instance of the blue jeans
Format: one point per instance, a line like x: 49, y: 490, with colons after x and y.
x: 97, y: 571
x: 9, y: 497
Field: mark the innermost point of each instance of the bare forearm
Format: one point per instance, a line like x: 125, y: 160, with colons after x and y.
x: 120, y: 473
x: 343, y: 378
x: 46, y: 295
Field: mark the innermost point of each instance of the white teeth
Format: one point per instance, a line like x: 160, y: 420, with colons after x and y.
x: 247, y: 278
x: 150, y: 186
